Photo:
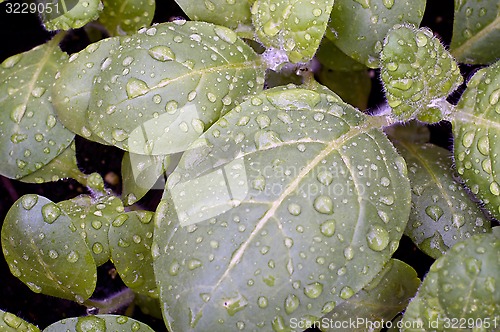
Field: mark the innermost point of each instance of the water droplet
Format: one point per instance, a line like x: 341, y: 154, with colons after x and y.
x: 327, y: 228
x: 266, y: 139
x: 53, y: 254
x: 28, y: 201
x: 119, y: 135
x: 346, y: 292
x: 72, y: 257
x: 50, y: 212
x: 193, y: 264
x: 348, y: 253
x: 377, y: 238
x: 494, y: 97
x: 259, y: 183
x: 263, y: 121
x: 325, y: 178
x: 468, y: 139
x: 17, y: 113
x: 323, y: 204
x: 262, y: 302
x: 211, y: 97
x: 495, y: 188
x: 136, y: 88
x: 317, y: 12
x: 174, y: 268
x: 171, y: 107
x: 458, y: 220
x: 271, y: 28
x: 294, y: 209
x: 402, y: 84
x: 34, y: 287
x: 191, y: 96
x: 227, y: 35
x: 209, y: 5
x: 11, y: 61
x: 421, y: 39
x: 473, y: 266
x: 313, y: 290
x: 392, y: 66
x: 38, y: 92
x: 97, y: 248
x: 120, y: 220
x: 387, y: 200
x: 434, y: 212
x: 292, y: 302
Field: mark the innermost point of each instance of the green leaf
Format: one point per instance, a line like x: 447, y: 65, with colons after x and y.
x: 352, y: 86
x: 333, y: 58
x: 476, y: 127
x: 476, y: 31
x: 73, y: 85
x: 70, y: 15
x: 93, y: 217
x: 411, y: 131
x: 45, y: 250
x: 418, y: 74
x: 462, y: 286
x: 231, y: 14
x: 130, y: 238
x: 379, y: 301
x: 442, y: 213
x: 201, y: 70
x: 126, y: 17
x: 30, y: 135
x: 295, y: 27
x: 148, y: 305
x: 101, y: 323
x: 11, y: 323
x: 140, y: 173
x: 359, y: 27
x: 291, y: 202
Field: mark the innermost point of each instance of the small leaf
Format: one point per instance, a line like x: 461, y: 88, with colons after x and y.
x: 269, y: 216
x: 352, y: 86
x: 11, y: 323
x: 71, y: 17
x: 359, y: 27
x: 460, y: 286
x: 380, y: 300
x: 61, y: 167
x: 476, y: 127
x: 45, y: 251
x: 333, y: 58
x: 73, y: 85
x: 148, y: 305
x: 130, y: 238
x: 476, y: 31
x: 295, y: 27
x: 418, y: 73
x: 141, y: 173
x: 126, y: 17
x: 30, y: 136
x: 411, y: 131
x: 442, y: 212
x: 201, y: 70
x: 231, y: 14
x: 93, y: 217
x: 100, y: 323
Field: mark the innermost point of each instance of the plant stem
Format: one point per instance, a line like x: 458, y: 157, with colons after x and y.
x: 113, y: 303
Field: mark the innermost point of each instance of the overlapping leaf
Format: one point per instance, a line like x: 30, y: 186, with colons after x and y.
x: 379, y: 301
x: 45, y: 250
x: 167, y: 84
x: 359, y: 27
x: 476, y: 127
x: 290, y: 203
x: 70, y: 15
x: 418, y: 74
x: 130, y: 238
x: 461, y: 286
x: 11, y: 323
x: 101, y: 323
x: 126, y: 17
x: 476, y: 31
x: 30, y: 135
x: 333, y: 58
x: 295, y: 27
x: 442, y: 213
x: 231, y: 14
x: 73, y: 85
x: 352, y: 86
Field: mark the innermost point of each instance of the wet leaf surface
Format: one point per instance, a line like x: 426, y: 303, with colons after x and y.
x: 100, y: 323
x: 229, y: 13
x: 126, y: 17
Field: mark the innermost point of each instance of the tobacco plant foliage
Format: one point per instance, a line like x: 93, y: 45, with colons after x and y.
x: 283, y: 203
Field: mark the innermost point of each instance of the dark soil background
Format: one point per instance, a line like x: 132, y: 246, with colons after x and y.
x: 21, y: 32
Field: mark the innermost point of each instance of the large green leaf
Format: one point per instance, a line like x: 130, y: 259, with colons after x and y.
x: 99, y: 323
x: 359, y: 27
x: 333, y: 58
x: 229, y: 13
x: 476, y: 127
x: 45, y: 250
x: 70, y: 14
x: 418, y: 74
x: 379, y: 301
x: 476, y: 31
x: 94, y: 217
x: 295, y: 27
x: 167, y: 84
x: 11, y: 323
x: 460, y: 290
x: 130, y: 238
x: 126, y: 17
x: 71, y: 91
x: 30, y: 134
x: 290, y: 203
x: 442, y: 212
